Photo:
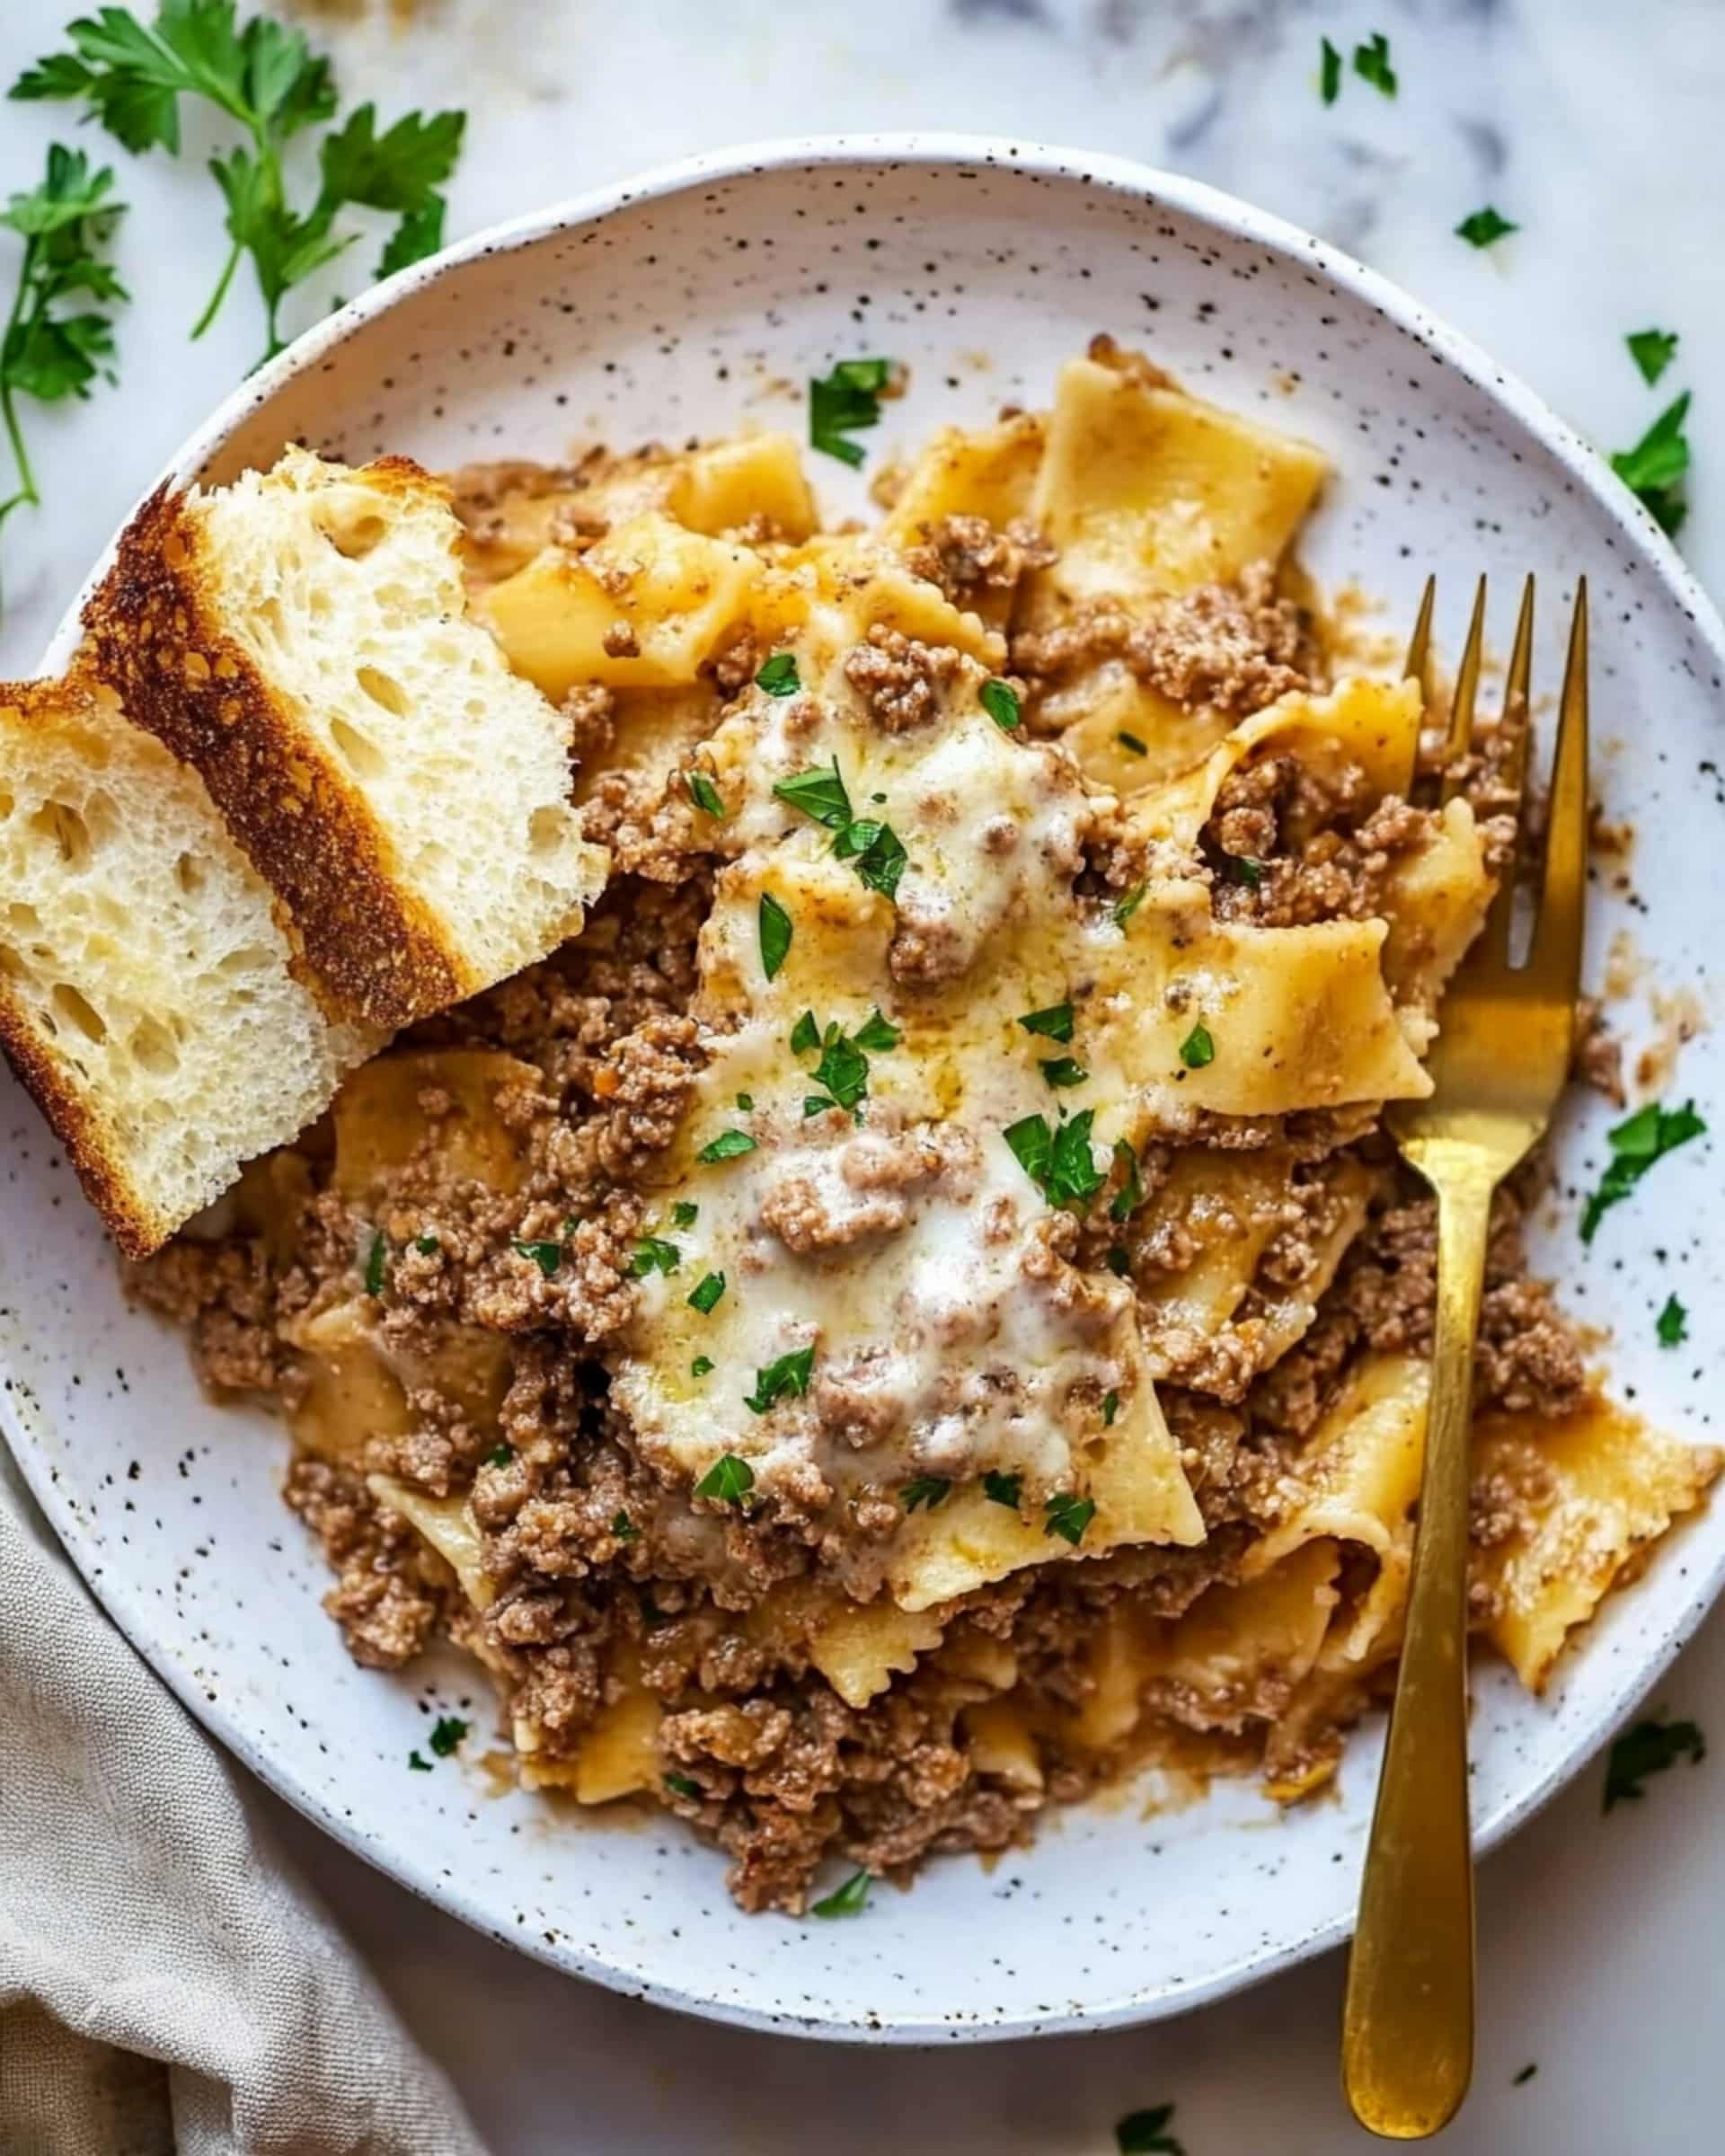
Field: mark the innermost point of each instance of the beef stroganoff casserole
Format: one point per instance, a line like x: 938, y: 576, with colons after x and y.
x: 910, y: 1314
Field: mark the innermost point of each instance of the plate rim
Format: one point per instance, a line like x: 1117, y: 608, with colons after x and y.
x: 1237, y: 219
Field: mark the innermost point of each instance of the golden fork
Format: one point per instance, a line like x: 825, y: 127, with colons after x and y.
x: 1498, y: 1066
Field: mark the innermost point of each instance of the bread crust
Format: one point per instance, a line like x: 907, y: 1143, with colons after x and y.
x: 154, y: 638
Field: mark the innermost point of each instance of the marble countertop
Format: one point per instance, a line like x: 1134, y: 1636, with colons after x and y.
x: 1597, y: 129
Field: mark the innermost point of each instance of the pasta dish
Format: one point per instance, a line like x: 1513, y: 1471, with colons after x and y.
x: 910, y: 1314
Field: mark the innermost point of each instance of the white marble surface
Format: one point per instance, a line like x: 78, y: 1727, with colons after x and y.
x: 1601, y: 130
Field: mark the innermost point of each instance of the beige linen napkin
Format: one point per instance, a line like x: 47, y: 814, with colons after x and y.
x: 167, y: 1987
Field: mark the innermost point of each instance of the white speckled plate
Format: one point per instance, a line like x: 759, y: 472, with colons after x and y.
x: 688, y: 303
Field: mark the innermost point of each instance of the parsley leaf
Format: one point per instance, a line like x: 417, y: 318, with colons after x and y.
x: 500, y: 1455
x: 1069, y: 1517
x: 1061, y: 1071
x: 1484, y: 227
x: 375, y: 1258
x: 821, y: 794
x: 1652, y: 350
x: 683, y: 1214
x: 788, y: 1378
x: 1132, y: 744
x: 446, y: 1733
x: 1198, y: 1048
x: 1329, y: 72
x: 843, y: 401
x: 1145, y: 2134
x: 1058, y: 1161
x: 925, y: 1489
x: 264, y: 79
x: 1649, y: 1748
x: 418, y: 1764
x: 704, y: 794
x: 1526, y: 2074
x: 1118, y: 1259
x: 728, y: 1145
x: 1124, y: 908
x: 729, y: 1479
x: 702, y: 1365
x: 653, y: 1254
x: 847, y: 1900
x: 546, y: 1256
x: 844, y: 1065
x: 999, y: 698
x: 775, y: 934
x: 1654, y: 469
x: 1673, y: 1323
x: 1129, y: 1197
x: 1246, y: 869
x: 56, y: 343
x: 879, y: 853
x: 1001, y: 1490
x: 1372, y: 64
x: 1053, y: 1022
x: 625, y: 1528
x: 805, y: 1035
x: 877, y: 1032
x: 706, y: 1293
x: 427, y: 1245
x: 778, y: 675
x: 1110, y: 1409
x: 1646, y: 1136
x: 682, y: 1786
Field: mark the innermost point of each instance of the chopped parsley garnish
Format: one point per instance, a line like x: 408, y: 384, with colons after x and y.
x: 1673, y: 1323
x: 446, y: 1733
x: 1118, y: 1259
x: 702, y: 1367
x: 1483, y: 227
x: 419, y: 1765
x: 546, y: 1256
x: 779, y: 676
x: 426, y: 1246
x: 1132, y: 744
x: 652, y: 1615
x: 1001, y: 1490
x: 1649, y: 1748
x: 746, y: 1101
x: 681, y: 1786
x: 1110, y: 1409
x: 786, y: 1379
x: 775, y: 935
x: 704, y: 793
x: 705, y: 1295
x: 500, y: 1455
x: 847, y: 1900
x: 1652, y: 350
x: 1129, y: 1197
x: 625, y: 1528
x: 1653, y: 470
x: 844, y: 401
x: 1125, y: 908
x: 1053, y: 1022
x: 729, y: 1479
x: 653, y: 1254
x: 821, y: 794
x: 375, y: 1258
x: 55, y: 344
x: 1062, y: 1071
x: 1646, y: 1136
x: 1145, y: 2134
x: 264, y: 79
x: 1198, y: 1048
x: 1058, y: 1161
x: 1068, y: 1516
x: 843, y: 1066
x: 1526, y: 2074
x: 728, y: 1145
x: 878, y: 852
x: 683, y: 1214
x: 1372, y: 64
x: 927, y: 1489
x: 1329, y: 72
x: 1000, y: 700
x: 1245, y: 868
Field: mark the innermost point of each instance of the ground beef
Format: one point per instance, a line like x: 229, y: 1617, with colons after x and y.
x: 903, y: 682
x: 967, y: 557
x: 223, y: 1294
x: 389, y: 1596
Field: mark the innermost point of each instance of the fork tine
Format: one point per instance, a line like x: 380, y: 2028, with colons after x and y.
x: 1554, y: 957
x: 1414, y: 668
x: 1467, y: 689
x: 1494, y: 940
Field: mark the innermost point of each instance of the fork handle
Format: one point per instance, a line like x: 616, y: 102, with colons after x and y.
x: 1407, y: 2047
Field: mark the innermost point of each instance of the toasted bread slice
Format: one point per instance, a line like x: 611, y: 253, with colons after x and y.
x: 145, y: 995
x: 302, y: 639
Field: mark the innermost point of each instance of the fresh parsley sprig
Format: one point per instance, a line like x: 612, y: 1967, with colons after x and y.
x: 264, y: 78
x: 1655, y: 469
x: 59, y: 341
